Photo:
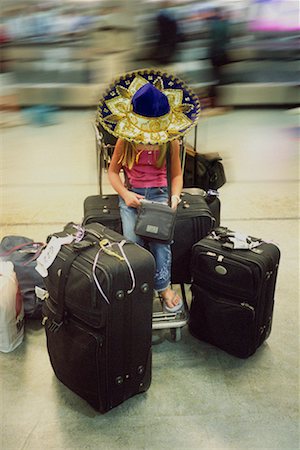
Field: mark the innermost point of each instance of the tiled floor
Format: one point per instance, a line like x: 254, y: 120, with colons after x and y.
x: 200, y: 397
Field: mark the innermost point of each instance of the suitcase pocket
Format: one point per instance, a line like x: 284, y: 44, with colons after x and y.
x: 231, y: 278
x: 225, y: 323
x: 75, y: 354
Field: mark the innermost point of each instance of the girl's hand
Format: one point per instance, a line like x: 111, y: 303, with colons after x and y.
x: 175, y: 200
x: 132, y: 199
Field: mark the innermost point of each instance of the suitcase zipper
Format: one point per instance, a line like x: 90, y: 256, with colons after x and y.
x: 73, y: 318
x: 262, y: 293
x: 244, y: 305
x: 239, y: 341
x: 236, y: 303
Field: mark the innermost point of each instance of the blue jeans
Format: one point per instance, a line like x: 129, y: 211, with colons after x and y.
x: 161, y: 252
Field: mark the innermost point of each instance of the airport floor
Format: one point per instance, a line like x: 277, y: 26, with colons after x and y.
x: 200, y: 397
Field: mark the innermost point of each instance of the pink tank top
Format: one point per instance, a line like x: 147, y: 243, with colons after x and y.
x: 144, y: 173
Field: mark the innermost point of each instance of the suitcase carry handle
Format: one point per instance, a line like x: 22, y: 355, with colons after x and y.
x: 233, y: 240
x: 37, y: 249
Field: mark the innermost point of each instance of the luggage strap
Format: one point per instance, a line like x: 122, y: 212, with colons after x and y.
x: 55, y: 324
x: 58, y: 320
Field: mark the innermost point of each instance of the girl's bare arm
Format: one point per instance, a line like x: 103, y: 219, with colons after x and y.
x: 129, y: 197
x: 176, y: 173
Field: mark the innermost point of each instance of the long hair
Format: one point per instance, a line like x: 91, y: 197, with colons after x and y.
x: 129, y: 155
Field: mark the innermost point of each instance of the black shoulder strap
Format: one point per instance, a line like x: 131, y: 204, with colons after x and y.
x: 168, y: 164
x: 58, y: 319
x: 55, y: 324
x: 195, y: 138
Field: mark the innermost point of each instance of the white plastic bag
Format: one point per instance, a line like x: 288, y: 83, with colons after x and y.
x: 11, y: 309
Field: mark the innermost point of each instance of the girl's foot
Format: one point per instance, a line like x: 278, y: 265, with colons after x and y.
x: 171, y: 300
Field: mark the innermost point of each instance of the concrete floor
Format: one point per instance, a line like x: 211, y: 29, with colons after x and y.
x: 200, y: 397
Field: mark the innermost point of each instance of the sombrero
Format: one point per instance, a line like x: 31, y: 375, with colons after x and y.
x: 148, y: 107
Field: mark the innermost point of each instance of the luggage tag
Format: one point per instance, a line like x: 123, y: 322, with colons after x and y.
x: 49, y: 254
x: 80, y: 232
x: 212, y: 193
x: 41, y: 293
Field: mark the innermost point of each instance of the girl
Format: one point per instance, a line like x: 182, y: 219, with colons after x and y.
x: 148, y: 112
x: 146, y: 177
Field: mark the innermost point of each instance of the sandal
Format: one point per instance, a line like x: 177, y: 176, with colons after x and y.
x: 172, y: 309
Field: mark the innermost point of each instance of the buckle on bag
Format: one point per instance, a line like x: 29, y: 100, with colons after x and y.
x: 53, y: 326
x: 106, y: 246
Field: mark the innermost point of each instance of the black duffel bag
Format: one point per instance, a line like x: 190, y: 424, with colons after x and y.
x: 203, y: 170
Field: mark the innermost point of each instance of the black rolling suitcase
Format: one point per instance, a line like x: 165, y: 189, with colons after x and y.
x: 233, y: 291
x: 197, y: 214
x: 98, y: 316
x: 194, y: 221
x: 103, y: 209
x: 212, y: 199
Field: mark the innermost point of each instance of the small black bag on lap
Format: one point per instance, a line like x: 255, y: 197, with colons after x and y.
x: 156, y: 222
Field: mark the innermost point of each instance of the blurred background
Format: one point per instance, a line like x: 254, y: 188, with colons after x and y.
x: 61, y: 54
x: 242, y: 59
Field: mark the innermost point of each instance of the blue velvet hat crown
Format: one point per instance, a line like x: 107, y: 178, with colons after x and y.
x: 150, y: 102
x: 148, y: 107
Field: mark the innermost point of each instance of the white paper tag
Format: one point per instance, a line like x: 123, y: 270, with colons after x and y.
x: 41, y: 293
x: 242, y: 242
x: 241, y: 236
x: 49, y: 254
x: 239, y: 244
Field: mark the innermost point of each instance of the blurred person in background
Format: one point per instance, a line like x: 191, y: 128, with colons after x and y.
x: 167, y: 32
x: 219, y: 35
x: 4, y: 41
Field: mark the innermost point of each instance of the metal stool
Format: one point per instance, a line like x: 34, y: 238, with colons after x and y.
x: 173, y: 321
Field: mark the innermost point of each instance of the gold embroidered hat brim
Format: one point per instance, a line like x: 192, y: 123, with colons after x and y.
x: 116, y: 115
